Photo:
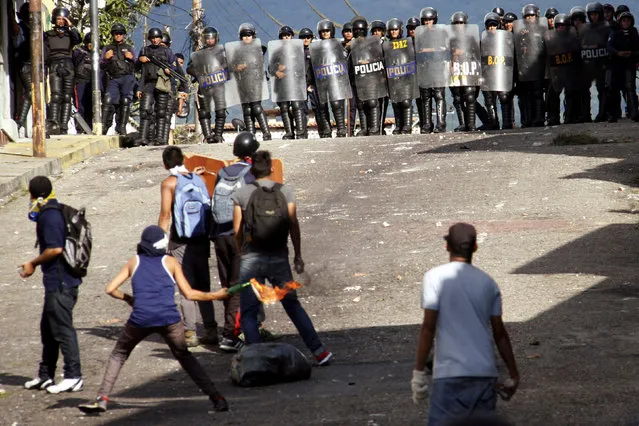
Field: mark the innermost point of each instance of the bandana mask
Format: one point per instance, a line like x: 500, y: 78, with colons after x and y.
x: 36, y: 205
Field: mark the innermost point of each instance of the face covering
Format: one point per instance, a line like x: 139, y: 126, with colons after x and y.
x: 178, y: 170
x: 154, y: 242
x: 36, y: 205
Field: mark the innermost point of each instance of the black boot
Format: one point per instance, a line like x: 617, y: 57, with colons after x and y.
x: 426, y: 118
x: 286, y: 121
x: 469, y: 116
x: 218, y: 131
x: 406, y: 112
x: 338, y: 112
x: 65, y: 115
x: 460, y: 118
x: 24, y: 113
x: 108, y: 110
x: 507, y: 115
x: 538, y: 111
x: 300, y: 121
x: 398, y: 119
x: 482, y: 113
x: 248, y: 119
x: 205, y: 124
x: 122, y: 119
x: 440, y: 105
x: 160, y: 127
x: 363, y: 121
x: 144, y: 132
x: 373, y: 118
x: 323, y: 122
x: 260, y: 116
x: 53, y: 119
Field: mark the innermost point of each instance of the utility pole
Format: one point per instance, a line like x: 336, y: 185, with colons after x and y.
x: 196, y: 42
x: 95, y: 68
x: 37, y: 78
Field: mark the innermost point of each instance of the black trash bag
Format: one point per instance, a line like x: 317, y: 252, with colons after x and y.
x: 265, y: 364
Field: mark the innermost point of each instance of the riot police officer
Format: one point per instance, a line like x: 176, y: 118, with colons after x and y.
x: 378, y: 28
x: 118, y: 63
x: 326, y: 31
x: 402, y: 83
x: 412, y: 23
x: 623, y: 46
x: 429, y: 17
x: 82, y: 65
x: 306, y: 35
x: 550, y: 14
x: 594, y: 40
x: 209, y: 66
x: 500, y: 12
x: 508, y: 21
x: 22, y: 46
x: 347, y: 33
x: 155, y: 63
x: 58, y: 46
x: 609, y: 14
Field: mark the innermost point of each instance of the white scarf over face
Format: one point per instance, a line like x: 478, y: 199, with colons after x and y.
x: 177, y: 170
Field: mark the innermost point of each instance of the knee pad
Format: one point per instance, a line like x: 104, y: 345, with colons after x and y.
x: 220, y: 113
x: 337, y: 105
x: 405, y: 104
x: 57, y: 98
x: 256, y: 108
x: 203, y: 115
x: 371, y: 103
x: 145, y: 114
x: 125, y: 101
x: 108, y: 98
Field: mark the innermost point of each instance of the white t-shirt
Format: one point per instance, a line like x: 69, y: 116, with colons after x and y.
x: 465, y: 298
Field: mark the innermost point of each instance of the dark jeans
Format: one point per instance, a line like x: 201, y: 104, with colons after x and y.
x: 173, y: 335
x: 278, y: 272
x: 228, y: 269
x: 458, y: 398
x: 58, y: 334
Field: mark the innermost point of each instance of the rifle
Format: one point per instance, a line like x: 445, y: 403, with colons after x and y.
x: 160, y: 63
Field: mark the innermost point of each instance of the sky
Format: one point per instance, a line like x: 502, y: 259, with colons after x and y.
x: 227, y: 15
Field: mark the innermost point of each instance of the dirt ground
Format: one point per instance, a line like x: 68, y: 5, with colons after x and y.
x: 557, y: 230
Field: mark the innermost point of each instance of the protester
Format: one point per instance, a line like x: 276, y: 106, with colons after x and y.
x: 60, y: 292
x: 153, y: 277
x: 192, y: 249
x: 459, y: 301
x: 264, y: 251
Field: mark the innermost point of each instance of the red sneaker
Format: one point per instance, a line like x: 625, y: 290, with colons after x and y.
x: 324, y: 358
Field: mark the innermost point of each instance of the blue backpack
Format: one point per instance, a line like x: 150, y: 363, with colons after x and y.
x: 192, y: 207
x: 225, y: 187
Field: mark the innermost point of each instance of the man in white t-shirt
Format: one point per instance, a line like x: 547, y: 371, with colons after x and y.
x: 461, y: 304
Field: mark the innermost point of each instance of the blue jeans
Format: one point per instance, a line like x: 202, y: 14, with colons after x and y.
x: 458, y: 398
x: 278, y: 271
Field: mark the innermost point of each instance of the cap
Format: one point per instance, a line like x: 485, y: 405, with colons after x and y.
x: 461, y: 235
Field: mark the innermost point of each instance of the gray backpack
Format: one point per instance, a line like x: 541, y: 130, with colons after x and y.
x: 222, y: 204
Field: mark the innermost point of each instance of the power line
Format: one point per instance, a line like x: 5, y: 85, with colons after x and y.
x: 254, y: 20
x: 321, y: 15
x: 271, y: 17
x: 228, y: 20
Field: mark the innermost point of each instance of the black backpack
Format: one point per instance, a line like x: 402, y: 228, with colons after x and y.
x: 266, y: 220
x: 77, y: 241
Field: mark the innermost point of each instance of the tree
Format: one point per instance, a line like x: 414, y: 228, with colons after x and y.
x: 126, y: 12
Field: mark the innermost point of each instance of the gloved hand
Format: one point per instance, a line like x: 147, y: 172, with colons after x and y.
x: 419, y: 386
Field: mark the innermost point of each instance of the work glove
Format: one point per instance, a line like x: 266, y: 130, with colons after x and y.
x: 419, y: 386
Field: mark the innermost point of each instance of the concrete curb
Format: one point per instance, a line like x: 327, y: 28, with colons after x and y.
x: 18, y: 166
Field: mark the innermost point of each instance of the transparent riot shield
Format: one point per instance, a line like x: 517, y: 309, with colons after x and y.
x: 497, y: 61
x: 287, y: 70
x: 432, y: 53
x: 331, y: 70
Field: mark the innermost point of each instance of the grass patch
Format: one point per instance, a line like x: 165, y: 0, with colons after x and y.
x: 565, y: 139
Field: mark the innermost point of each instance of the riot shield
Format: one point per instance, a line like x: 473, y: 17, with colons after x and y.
x: 246, y: 63
x: 594, y: 52
x: 564, y: 59
x: 432, y: 53
x: 465, y: 55
x: 331, y: 70
x: 287, y: 70
x: 497, y: 61
x: 212, y: 73
x: 530, y: 49
x: 401, y: 69
x: 367, y: 58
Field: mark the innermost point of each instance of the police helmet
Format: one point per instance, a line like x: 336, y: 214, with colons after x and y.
x: 210, y: 32
x: 246, y: 29
x: 326, y: 25
x: 628, y: 15
x: 459, y: 18
x: 60, y: 11
x: 529, y: 10
x: 608, y: 7
x: 551, y: 12
x: 286, y: 30
x: 395, y: 24
x: 578, y: 13
x: 378, y: 25
x: 166, y: 39
x: 360, y: 26
x: 154, y: 33
x: 347, y: 27
x: 595, y: 7
x: 118, y: 28
x: 491, y: 19
x: 509, y: 17
x: 621, y: 9
x: 412, y: 22
x: 245, y: 145
x: 306, y: 33
x: 562, y: 19
x: 499, y: 11
x: 428, y: 13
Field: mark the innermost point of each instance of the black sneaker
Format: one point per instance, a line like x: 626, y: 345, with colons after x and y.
x: 219, y: 403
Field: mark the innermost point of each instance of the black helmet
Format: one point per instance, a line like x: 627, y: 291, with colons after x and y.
x: 87, y: 38
x: 621, y: 9
x: 412, y: 22
x: 60, y: 11
x: 529, y: 10
x: 377, y: 25
x: 166, y: 39
x: 509, y: 17
x: 491, y: 18
x: 118, y: 28
x: 153, y: 33
x: 578, y: 13
x: 246, y: 29
x: 245, y: 145
x: 306, y: 32
x: 395, y: 24
x: 210, y: 32
x: 428, y: 13
x: 326, y: 25
x: 627, y: 15
x: 594, y: 8
x: 23, y: 13
x: 459, y: 18
x: 286, y: 30
x: 360, y: 26
x: 499, y: 11
x: 347, y: 27
x: 562, y: 19
x: 551, y: 12
x: 608, y: 7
